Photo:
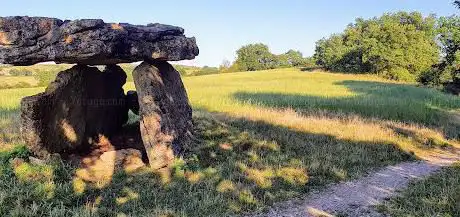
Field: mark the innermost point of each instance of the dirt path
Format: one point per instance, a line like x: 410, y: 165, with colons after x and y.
x: 357, y: 197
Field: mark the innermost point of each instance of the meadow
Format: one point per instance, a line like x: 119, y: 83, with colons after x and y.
x: 260, y: 137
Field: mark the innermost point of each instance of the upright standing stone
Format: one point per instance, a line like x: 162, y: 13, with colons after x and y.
x: 53, y: 121
x: 166, y: 116
x: 78, y: 107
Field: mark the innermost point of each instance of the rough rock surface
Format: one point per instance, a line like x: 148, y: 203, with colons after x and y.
x: 79, y: 106
x: 30, y: 40
x: 166, y: 116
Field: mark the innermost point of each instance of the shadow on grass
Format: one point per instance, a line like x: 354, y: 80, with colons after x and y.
x: 397, y: 102
x: 311, y: 69
x: 236, y: 165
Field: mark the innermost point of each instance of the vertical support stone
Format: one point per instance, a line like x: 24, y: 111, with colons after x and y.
x: 166, y: 116
x: 51, y: 122
x: 80, y: 105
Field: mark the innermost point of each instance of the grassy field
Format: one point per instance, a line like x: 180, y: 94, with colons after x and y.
x: 40, y: 75
x: 261, y: 137
x: 7, y: 82
x: 438, y: 195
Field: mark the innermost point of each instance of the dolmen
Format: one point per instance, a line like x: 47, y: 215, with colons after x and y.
x: 85, y: 103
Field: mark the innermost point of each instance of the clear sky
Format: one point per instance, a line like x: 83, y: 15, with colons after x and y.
x: 221, y: 27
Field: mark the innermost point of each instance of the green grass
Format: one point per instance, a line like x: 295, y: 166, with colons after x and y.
x: 40, y: 75
x: 8, y: 82
x: 261, y: 137
x: 437, y: 195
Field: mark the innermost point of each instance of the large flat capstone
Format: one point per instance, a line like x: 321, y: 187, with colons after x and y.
x: 29, y: 40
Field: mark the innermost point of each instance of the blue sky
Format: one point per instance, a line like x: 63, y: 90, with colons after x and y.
x: 221, y: 27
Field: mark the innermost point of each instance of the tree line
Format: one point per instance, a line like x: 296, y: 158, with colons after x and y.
x: 400, y: 46
x: 253, y: 57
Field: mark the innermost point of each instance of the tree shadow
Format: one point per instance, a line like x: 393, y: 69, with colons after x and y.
x: 311, y: 69
x: 385, y: 101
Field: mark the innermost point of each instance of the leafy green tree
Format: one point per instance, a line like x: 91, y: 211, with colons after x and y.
x: 282, y: 61
x: 329, y: 51
x: 295, y: 58
x: 233, y: 68
x: 309, y: 62
x: 449, y: 37
x: 254, y: 57
x: 447, y: 72
x: 399, y: 46
x: 292, y: 58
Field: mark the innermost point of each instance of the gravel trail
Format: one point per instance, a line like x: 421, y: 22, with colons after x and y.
x: 358, y: 197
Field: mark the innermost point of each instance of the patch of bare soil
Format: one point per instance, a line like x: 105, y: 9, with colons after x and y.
x: 98, y: 162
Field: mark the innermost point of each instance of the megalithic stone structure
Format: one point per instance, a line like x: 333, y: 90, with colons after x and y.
x: 84, y: 103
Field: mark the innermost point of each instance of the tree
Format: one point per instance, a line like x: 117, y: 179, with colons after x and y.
x: 224, y: 66
x: 295, y: 58
x: 282, y: 61
x: 399, y: 46
x: 447, y: 72
x: 333, y: 54
x: 254, y: 57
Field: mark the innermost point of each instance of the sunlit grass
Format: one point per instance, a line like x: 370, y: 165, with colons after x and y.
x: 359, y: 108
x: 437, y: 195
x: 260, y: 137
x: 11, y: 81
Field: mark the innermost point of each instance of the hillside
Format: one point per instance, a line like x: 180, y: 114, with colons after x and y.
x: 261, y: 137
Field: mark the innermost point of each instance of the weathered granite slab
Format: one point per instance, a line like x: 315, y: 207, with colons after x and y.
x: 29, y: 40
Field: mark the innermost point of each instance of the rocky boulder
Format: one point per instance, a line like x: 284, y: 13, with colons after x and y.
x: 166, y: 116
x: 30, y: 40
x: 77, y: 108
